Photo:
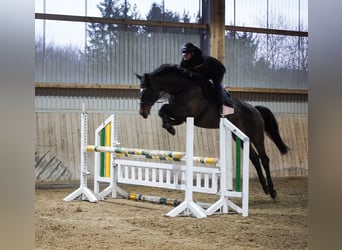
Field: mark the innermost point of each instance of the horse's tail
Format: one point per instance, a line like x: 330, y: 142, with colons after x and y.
x: 272, y: 129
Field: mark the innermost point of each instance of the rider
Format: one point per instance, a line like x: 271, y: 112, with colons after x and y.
x: 208, y: 68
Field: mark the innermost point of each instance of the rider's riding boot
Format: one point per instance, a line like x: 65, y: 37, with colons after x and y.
x: 228, y: 99
x: 219, y: 97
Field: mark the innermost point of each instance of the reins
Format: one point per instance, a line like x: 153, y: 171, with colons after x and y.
x: 150, y: 103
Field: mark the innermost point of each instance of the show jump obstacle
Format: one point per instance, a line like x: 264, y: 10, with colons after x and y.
x: 167, y: 169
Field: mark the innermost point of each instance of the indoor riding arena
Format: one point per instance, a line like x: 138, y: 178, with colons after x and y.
x: 108, y: 178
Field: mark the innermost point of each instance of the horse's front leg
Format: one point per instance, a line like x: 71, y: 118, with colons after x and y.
x: 171, y: 115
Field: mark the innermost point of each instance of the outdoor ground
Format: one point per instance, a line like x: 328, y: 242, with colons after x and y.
x: 126, y: 224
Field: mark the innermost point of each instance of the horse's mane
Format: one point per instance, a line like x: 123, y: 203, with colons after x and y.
x: 168, y: 69
x: 180, y: 78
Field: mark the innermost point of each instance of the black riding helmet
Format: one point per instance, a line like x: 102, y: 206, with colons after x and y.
x: 189, y: 48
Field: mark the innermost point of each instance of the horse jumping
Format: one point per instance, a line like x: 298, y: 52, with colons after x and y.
x: 190, y: 97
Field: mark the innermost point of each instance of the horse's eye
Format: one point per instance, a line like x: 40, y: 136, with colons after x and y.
x: 142, y: 90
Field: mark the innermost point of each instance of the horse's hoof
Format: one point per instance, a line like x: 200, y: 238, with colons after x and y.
x: 171, y: 130
x: 273, y: 194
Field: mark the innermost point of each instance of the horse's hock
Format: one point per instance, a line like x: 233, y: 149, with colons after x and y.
x: 58, y: 142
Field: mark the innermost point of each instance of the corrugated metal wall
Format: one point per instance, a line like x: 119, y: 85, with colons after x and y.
x: 127, y: 101
x: 58, y: 142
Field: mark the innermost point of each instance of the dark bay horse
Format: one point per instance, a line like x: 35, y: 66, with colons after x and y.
x: 189, y: 97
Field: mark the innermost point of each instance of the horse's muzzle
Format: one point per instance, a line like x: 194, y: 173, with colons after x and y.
x: 144, y: 112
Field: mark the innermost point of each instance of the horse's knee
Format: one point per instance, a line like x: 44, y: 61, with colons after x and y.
x: 164, y: 116
x: 161, y: 112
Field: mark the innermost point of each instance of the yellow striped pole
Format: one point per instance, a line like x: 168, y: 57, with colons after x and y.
x: 151, y: 154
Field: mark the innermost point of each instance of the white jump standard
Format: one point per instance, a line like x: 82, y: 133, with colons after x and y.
x: 83, y: 190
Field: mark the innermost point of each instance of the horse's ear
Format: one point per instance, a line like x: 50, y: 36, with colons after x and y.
x: 139, y: 76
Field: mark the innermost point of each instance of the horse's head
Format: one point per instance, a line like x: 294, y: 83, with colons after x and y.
x: 148, y: 95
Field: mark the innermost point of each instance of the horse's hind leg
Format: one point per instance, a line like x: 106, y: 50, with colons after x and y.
x: 265, y: 163
x: 256, y: 162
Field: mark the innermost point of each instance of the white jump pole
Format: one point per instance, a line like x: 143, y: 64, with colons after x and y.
x: 245, y: 178
x: 222, y: 203
x: 83, y: 190
x: 188, y: 206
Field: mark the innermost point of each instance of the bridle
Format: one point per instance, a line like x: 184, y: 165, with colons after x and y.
x: 148, y: 104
